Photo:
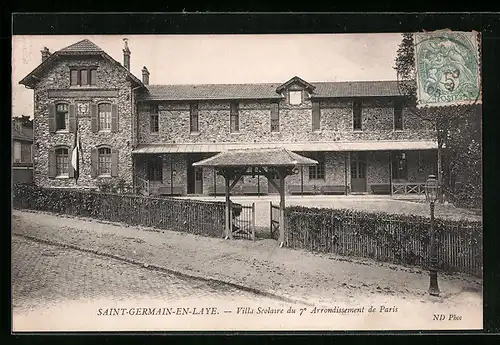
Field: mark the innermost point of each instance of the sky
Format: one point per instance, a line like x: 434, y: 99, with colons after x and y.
x: 221, y: 59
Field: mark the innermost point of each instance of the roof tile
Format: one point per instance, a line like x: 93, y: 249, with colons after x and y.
x: 82, y: 46
x: 259, y: 157
x: 183, y: 92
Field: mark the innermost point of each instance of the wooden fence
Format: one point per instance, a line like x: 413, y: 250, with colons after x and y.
x: 393, y: 240
x: 192, y: 216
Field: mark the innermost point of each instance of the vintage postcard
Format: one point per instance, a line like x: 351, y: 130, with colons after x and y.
x: 246, y: 182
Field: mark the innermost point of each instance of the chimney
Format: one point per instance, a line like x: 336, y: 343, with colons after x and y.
x: 126, y: 55
x: 145, y: 76
x: 45, y: 53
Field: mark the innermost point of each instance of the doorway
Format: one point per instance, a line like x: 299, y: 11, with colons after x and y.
x: 194, y: 175
x: 358, y: 172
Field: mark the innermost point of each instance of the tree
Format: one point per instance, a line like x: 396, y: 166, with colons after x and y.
x: 458, y: 132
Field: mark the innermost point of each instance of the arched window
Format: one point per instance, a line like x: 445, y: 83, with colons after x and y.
x: 62, y: 161
x: 104, y: 161
x: 104, y: 116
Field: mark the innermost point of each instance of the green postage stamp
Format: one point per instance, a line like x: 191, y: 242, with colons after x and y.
x: 447, y: 68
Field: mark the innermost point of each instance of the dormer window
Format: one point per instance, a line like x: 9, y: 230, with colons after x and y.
x: 295, y: 97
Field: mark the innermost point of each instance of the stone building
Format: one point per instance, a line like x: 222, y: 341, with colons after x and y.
x: 363, y: 134
x: 22, y: 142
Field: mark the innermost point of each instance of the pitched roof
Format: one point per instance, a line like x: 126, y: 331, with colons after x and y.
x: 83, y: 47
x: 256, y: 157
x: 211, y: 91
x: 379, y: 88
x: 23, y: 134
x: 297, y: 80
x: 183, y: 92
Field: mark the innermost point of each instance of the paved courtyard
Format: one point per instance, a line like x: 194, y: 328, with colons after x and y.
x: 371, y: 203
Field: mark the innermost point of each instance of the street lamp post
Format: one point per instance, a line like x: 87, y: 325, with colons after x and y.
x: 431, y: 195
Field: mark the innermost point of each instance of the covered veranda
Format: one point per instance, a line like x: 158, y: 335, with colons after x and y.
x: 233, y: 164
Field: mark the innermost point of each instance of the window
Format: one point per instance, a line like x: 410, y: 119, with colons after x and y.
x: 317, y: 172
x: 316, y: 116
x: 234, y: 118
x: 398, y: 116
x: 275, y: 117
x: 295, y: 97
x: 62, y: 162
x: 155, y: 169
x: 357, y: 116
x: 17, y: 151
x: 193, y: 118
x: 104, y: 116
x: 74, y: 77
x: 104, y: 161
x: 26, y: 153
x: 154, y: 124
x: 399, y: 166
x: 83, y: 76
x: 93, y: 76
x: 61, y: 116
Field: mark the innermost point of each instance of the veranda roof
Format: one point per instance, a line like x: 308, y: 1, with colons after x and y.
x: 256, y: 157
x: 372, y: 145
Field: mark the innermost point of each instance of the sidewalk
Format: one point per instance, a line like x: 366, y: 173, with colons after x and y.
x: 261, y: 265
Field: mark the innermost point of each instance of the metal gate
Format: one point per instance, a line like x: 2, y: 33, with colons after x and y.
x: 274, y: 211
x: 244, y: 221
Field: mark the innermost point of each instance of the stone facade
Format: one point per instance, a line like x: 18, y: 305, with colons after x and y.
x: 295, y: 123
x: 54, y: 87
x: 114, y: 86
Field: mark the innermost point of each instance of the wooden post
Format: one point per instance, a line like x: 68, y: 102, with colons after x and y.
x: 281, y: 172
x: 215, y: 183
x: 346, y: 172
x: 271, y: 217
x: 390, y: 171
x: 171, y: 176
x: 253, y: 221
x: 258, y: 185
x: 229, y: 225
x: 301, y: 181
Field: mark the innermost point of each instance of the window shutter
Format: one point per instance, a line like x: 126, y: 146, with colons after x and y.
x: 72, y: 117
x: 114, y: 117
x: 315, y: 115
x: 114, y: 162
x: 52, y: 163
x: 52, y: 118
x: 93, y: 115
x: 93, y: 163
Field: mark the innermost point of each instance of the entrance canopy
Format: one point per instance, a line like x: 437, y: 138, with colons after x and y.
x: 234, y: 164
x: 276, y: 157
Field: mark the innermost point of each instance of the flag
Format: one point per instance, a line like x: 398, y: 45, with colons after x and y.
x: 75, y: 156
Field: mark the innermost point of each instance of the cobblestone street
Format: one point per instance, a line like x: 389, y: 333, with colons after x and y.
x: 46, y: 276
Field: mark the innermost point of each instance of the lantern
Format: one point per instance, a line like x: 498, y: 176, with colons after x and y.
x: 431, y: 189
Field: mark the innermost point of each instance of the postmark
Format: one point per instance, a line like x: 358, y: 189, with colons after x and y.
x: 447, y: 68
